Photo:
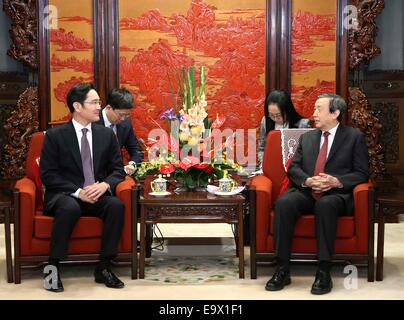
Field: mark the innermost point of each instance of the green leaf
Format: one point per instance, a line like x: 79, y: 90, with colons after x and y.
x: 202, y: 87
x: 184, y: 77
x: 191, y: 85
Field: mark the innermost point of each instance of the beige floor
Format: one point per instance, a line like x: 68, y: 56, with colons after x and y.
x: 79, y: 284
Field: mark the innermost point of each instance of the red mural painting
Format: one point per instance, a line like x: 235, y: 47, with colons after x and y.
x: 76, y: 19
x: 85, y: 65
x: 68, y: 41
x: 237, y: 44
x: 308, y: 30
x: 63, y: 88
x: 305, y: 97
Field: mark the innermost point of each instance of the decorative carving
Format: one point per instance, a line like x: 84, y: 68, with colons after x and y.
x: 23, y: 122
x: 155, y: 212
x: 362, y: 117
x: 23, y: 32
x: 388, y: 114
x: 362, y: 40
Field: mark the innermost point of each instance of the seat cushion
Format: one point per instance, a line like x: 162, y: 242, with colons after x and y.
x: 86, y: 227
x: 305, y: 226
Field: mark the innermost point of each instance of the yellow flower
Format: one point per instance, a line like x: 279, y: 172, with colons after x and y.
x: 196, y: 131
x: 192, y: 141
x: 184, y: 136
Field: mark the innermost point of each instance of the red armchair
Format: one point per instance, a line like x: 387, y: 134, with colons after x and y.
x: 355, y: 234
x: 32, y: 229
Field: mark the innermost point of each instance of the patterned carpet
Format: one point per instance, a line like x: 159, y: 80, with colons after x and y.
x: 184, y: 268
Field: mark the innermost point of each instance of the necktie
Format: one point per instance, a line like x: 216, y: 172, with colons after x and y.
x: 112, y: 126
x: 320, y: 163
x: 86, y: 160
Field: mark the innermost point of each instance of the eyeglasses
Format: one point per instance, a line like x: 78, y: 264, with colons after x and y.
x: 122, y: 115
x: 275, y: 115
x: 94, y: 102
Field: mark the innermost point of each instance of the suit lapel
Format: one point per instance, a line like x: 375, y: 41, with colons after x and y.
x: 72, y: 142
x: 315, y: 147
x: 119, y: 133
x: 338, y: 141
x: 97, y: 143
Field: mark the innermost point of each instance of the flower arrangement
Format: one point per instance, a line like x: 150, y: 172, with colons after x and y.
x: 185, y: 153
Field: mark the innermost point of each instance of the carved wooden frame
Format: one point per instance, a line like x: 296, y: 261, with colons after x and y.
x: 23, y: 32
x: 362, y: 41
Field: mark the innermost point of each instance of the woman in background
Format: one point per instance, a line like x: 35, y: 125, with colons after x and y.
x: 279, y: 114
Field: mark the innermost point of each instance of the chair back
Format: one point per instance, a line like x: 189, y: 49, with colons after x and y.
x: 34, y: 152
x: 280, y: 145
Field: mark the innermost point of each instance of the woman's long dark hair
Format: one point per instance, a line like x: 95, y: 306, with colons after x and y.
x: 284, y: 102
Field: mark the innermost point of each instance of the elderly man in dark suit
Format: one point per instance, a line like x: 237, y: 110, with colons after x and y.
x: 327, y: 165
x: 80, y: 167
x: 116, y: 115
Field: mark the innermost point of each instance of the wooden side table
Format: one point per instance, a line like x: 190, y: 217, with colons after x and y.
x: 7, y: 208
x: 388, y: 201
x: 191, y: 207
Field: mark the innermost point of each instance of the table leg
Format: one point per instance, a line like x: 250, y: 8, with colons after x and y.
x: 135, y: 216
x: 142, y: 237
x: 380, y: 244
x: 7, y: 233
x: 240, y: 242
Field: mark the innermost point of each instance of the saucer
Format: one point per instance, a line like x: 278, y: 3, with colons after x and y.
x: 160, y: 194
x: 215, y: 190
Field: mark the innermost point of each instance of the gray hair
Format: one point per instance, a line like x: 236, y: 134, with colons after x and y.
x: 336, y: 103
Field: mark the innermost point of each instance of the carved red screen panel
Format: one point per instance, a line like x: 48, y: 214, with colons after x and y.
x: 227, y: 37
x: 71, y: 52
x: 313, y: 49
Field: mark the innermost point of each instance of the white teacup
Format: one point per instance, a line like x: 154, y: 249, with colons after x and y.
x: 159, y: 185
x: 226, y: 185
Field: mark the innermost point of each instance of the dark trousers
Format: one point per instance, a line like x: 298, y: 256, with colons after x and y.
x: 294, y: 203
x: 67, y: 211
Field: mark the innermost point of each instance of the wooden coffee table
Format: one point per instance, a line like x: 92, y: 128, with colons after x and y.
x: 189, y: 207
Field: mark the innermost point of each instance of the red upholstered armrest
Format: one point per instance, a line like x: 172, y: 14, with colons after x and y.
x: 27, y: 191
x: 361, y: 207
x: 263, y: 205
x: 123, y: 192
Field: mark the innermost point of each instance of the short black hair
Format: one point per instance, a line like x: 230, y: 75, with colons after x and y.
x: 336, y: 103
x: 120, y: 99
x: 78, y: 93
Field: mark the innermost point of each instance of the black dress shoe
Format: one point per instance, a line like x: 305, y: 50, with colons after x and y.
x: 323, y: 283
x: 48, y: 281
x: 107, y: 277
x: 280, y: 279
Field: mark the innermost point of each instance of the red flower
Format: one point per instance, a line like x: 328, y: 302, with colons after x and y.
x: 201, y: 165
x: 218, y: 122
x: 188, y: 162
x: 166, y: 168
x: 209, y: 169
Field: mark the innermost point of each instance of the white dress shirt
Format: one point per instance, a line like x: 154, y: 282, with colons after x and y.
x: 281, y: 126
x: 331, y: 137
x: 77, y: 128
x: 107, y: 123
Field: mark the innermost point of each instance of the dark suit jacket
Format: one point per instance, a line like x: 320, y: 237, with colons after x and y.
x: 127, y: 139
x: 61, y: 167
x: 347, y: 160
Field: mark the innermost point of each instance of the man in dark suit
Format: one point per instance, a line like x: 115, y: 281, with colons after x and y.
x: 327, y: 165
x: 80, y: 167
x: 116, y: 115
